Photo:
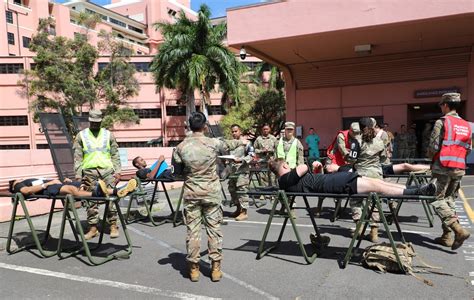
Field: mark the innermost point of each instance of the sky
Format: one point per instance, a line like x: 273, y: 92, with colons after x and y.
x: 218, y: 7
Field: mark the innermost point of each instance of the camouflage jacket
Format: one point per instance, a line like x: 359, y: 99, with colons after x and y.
x: 370, y: 157
x: 199, y: 154
x: 401, y: 140
x: 287, y: 146
x: 412, y: 141
x: 241, y: 167
x: 265, y: 146
x: 388, y: 146
x: 434, y: 146
x: 79, y: 155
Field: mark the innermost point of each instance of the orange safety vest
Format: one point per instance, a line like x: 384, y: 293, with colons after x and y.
x: 456, y: 143
x: 333, y: 153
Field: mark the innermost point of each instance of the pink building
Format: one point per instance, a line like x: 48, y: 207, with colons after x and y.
x: 131, y: 21
x: 346, y: 59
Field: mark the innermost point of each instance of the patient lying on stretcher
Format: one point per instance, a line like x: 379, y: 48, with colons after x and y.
x: 302, y: 181
x: 54, y: 187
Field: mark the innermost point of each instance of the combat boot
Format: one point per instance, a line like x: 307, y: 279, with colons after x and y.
x: 445, y: 239
x: 242, y: 216
x: 374, y: 234
x: 460, y: 235
x: 353, y: 231
x: 194, y: 272
x: 114, y: 232
x: 236, y: 213
x: 92, y: 233
x: 216, y: 273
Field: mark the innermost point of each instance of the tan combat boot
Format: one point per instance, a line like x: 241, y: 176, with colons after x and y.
x: 114, y: 232
x: 242, y: 216
x: 460, y: 235
x: 374, y: 234
x: 445, y: 239
x: 92, y: 233
x: 194, y: 272
x: 216, y: 273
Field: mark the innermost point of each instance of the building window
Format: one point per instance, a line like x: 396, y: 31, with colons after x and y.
x: 171, y: 12
x: 11, y: 68
x: 13, y: 120
x: 42, y: 146
x: 174, y: 143
x: 133, y: 144
x: 26, y: 42
x: 11, y: 38
x: 52, y: 30
x: 214, y: 110
x: 148, y: 113
x: 14, y: 147
x: 176, y: 110
x: 133, y: 28
x: 117, y: 22
x: 102, y: 65
x: 142, y: 66
x: 9, y: 16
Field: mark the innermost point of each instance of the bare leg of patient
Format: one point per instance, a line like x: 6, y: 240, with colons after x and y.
x: 367, y: 185
x: 406, y: 167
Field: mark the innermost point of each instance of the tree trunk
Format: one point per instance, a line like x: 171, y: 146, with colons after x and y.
x: 190, y: 104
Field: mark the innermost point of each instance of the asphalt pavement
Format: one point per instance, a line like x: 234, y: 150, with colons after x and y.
x: 157, y: 268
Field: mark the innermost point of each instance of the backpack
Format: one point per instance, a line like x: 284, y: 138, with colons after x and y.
x: 382, y: 258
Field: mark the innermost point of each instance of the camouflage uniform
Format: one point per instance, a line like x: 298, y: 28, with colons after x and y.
x: 386, y: 142
x: 402, y: 145
x: 448, y: 179
x: 412, y: 141
x: 202, y: 192
x: 90, y: 176
x: 368, y: 164
x: 239, y: 178
x: 287, y: 146
x: 425, y: 140
x: 264, y: 148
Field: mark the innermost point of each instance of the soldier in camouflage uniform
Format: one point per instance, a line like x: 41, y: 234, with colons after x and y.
x: 450, y: 143
x: 239, y: 178
x: 402, y: 143
x: 265, y: 150
x: 96, y: 157
x: 372, y: 154
x: 295, y: 157
x: 197, y: 155
x: 425, y: 140
x: 412, y: 142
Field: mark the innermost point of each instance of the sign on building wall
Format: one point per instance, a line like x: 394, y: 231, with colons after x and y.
x: 435, y: 92
x: 123, y: 152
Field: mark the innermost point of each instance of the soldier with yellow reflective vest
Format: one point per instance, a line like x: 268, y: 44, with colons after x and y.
x: 96, y: 157
x: 290, y: 148
x: 450, y: 143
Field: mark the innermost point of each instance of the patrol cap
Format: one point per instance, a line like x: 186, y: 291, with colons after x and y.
x: 290, y: 125
x: 450, y: 97
x: 95, y: 115
x: 355, y: 127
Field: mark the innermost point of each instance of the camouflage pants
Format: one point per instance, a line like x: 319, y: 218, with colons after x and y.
x: 196, y: 213
x: 356, y: 208
x: 239, y: 183
x: 444, y: 205
x: 411, y: 153
x: 403, y: 153
x: 267, y: 179
x: 90, y: 177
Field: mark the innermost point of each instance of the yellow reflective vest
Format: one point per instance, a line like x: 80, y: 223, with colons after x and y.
x: 96, y: 149
x: 291, y: 157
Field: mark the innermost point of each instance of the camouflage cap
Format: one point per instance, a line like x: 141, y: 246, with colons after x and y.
x: 450, y: 97
x: 355, y: 127
x: 290, y: 125
x: 95, y: 115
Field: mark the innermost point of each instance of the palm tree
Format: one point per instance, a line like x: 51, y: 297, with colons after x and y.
x: 194, y: 57
x: 275, y: 80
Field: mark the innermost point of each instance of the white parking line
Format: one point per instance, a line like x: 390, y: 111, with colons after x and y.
x: 114, y: 284
x: 228, y: 276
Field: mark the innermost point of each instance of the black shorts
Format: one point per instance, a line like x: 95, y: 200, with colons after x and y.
x: 53, y: 190
x: 340, y: 183
x: 388, y: 169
